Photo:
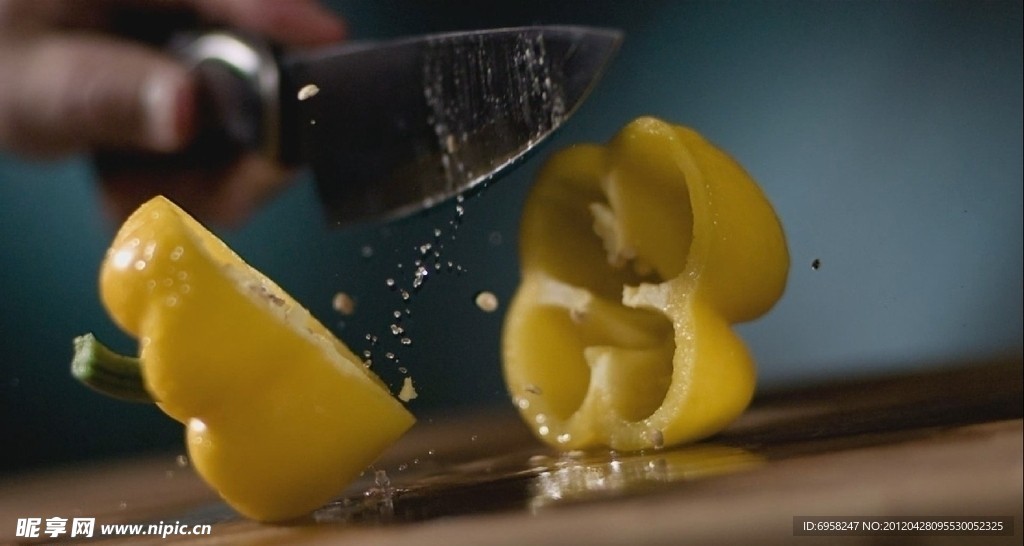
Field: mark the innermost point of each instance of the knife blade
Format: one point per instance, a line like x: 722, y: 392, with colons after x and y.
x: 393, y: 127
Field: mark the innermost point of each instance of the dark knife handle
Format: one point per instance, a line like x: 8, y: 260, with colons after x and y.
x: 239, y: 90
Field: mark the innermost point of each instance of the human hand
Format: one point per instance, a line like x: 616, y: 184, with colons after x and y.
x: 87, y: 76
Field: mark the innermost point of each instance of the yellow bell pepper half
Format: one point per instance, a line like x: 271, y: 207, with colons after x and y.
x: 280, y: 415
x: 637, y: 258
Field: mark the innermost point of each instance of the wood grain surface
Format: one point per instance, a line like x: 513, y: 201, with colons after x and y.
x: 943, y: 444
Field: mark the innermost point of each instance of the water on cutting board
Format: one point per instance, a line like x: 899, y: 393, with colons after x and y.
x: 534, y: 482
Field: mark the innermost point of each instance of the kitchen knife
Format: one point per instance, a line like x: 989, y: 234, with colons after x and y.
x: 391, y: 128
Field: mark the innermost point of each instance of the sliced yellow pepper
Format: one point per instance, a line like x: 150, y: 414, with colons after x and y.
x: 280, y: 415
x: 637, y: 258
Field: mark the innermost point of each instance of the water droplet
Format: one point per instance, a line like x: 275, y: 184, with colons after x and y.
x: 140, y: 265
x: 396, y: 329
x: 381, y: 480
x: 389, y: 355
x: 405, y: 341
x: 421, y: 275
x: 564, y: 438
x: 343, y: 303
x: 390, y: 283
x: 181, y: 461
x: 122, y: 258
x: 656, y: 438
x: 308, y: 91
x: 486, y: 301
x: 405, y: 295
x: 408, y: 391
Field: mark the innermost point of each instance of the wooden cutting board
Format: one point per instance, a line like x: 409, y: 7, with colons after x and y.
x: 944, y: 444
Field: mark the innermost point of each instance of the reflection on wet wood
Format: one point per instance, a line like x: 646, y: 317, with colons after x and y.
x: 943, y: 444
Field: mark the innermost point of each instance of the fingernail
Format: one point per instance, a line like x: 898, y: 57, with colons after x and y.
x: 167, y: 103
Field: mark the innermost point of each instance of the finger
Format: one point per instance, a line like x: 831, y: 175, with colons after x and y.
x: 294, y: 22
x: 77, y: 92
x: 135, y: 18
x: 36, y: 15
x: 225, y: 196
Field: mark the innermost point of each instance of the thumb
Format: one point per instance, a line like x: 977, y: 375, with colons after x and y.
x: 69, y: 93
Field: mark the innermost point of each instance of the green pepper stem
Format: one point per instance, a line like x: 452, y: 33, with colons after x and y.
x: 107, y: 372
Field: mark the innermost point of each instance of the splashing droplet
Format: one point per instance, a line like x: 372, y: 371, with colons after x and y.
x: 408, y: 391
x: 343, y: 303
x: 381, y: 479
x: 420, y: 276
x: 486, y: 301
x: 308, y: 91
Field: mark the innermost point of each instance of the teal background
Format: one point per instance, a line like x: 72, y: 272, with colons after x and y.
x: 887, y: 134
